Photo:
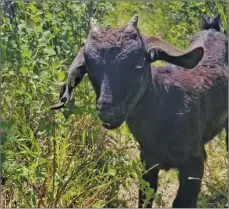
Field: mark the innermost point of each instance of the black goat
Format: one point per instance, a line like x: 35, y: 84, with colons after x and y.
x: 171, y: 111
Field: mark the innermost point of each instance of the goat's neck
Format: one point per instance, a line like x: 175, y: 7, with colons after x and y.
x: 145, y: 101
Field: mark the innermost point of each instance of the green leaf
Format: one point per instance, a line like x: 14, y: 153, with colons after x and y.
x: 44, y: 73
x: 32, y: 8
x: 35, y: 76
x: 11, y: 72
x: 38, y: 28
x: 19, y: 92
x: 42, y: 42
x: 27, y: 53
x: 24, y: 70
x: 56, y: 64
x: 112, y: 171
x: 61, y: 76
x: 35, y: 18
x: 46, y: 33
x: 50, y: 51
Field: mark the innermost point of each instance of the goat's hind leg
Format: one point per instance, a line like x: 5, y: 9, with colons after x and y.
x: 152, y: 177
x: 190, y: 176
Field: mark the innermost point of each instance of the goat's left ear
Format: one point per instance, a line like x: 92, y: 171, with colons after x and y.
x: 217, y: 17
x: 187, y: 60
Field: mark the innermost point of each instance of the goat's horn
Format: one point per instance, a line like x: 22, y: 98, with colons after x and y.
x: 93, y: 24
x: 134, y: 21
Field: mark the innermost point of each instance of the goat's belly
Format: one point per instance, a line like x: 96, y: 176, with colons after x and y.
x: 166, y: 157
x: 166, y: 152
x: 170, y: 147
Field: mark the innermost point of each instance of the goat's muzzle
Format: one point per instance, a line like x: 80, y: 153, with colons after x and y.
x: 111, y: 116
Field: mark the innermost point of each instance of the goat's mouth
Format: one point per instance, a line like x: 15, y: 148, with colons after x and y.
x: 112, y: 122
x: 111, y: 126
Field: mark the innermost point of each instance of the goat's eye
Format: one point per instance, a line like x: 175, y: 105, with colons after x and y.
x: 140, y: 64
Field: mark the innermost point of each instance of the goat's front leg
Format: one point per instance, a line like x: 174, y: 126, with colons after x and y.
x: 190, y: 176
x: 152, y: 177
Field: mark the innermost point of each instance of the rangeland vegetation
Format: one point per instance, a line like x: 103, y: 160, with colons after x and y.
x: 66, y: 158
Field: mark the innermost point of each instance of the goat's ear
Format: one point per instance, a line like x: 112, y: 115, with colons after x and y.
x: 218, y: 22
x: 204, y: 22
x: 217, y: 18
x: 76, y: 72
x: 204, y: 19
x: 187, y: 60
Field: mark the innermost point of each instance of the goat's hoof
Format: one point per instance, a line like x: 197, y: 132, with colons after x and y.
x: 57, y: 106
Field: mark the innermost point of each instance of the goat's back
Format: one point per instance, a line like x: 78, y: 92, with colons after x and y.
x: 204, y: 88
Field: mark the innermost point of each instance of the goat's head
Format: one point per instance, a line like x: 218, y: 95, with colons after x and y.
x: 212, y: 23
x: 118, y: 65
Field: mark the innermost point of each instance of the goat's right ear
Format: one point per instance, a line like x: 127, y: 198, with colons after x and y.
x: 76, y: 72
